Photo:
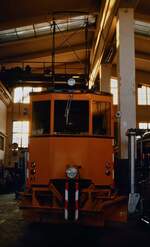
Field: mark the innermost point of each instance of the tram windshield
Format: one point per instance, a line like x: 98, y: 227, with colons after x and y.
x: 71, y: 116
x: 101, y: 118
x: 41, y: 117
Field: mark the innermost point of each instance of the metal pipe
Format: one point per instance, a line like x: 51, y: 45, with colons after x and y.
x: 132, y: 162
x: 53, y: 51
x: 86, y: 69
x: 133, y: 196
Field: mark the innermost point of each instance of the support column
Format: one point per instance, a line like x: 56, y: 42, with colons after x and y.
x: 105, y: 76
x: 126, y: 76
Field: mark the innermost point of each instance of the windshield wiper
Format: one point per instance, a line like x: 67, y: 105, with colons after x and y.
x: 67, y: 110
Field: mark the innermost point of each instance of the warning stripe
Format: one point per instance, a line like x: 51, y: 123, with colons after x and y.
x: 66, y: 199
x: 77, y: 199
x: 66, y: 211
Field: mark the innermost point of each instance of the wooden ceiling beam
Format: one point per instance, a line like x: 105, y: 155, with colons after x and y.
x: 129, y: 4
x: 20, y: 13
x: 141, y: 76
x: 142, y: 37
x: 142, y: 56
x: 44, y: 53
x: 104, y: 35
x: 142, y: 17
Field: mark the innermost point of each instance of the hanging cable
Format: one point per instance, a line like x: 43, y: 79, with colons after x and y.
x: 67, y: 42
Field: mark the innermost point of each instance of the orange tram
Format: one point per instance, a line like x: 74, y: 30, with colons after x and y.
x: 70, y: 171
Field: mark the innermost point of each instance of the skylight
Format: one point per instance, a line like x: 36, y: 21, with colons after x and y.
x: 45, y: 28
x: 142, y: 28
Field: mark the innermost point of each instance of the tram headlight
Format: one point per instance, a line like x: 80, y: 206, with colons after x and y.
x: 71, y: 82
x: 71, y: 172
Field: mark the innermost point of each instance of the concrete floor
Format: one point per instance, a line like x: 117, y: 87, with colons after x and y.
x: 14, y: 232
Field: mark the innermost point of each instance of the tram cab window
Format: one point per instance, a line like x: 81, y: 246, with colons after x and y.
x: 101, y: 118
x: 40, y: 117
x: 71, y: 116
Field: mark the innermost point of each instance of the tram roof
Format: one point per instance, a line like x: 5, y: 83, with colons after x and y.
x: 72, y: 91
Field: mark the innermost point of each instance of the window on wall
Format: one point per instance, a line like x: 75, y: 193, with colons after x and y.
x: 114, y: 90
x: 144, y: 125
x: 20, y: 133
x: 21, y: 94
x: 144, y: 95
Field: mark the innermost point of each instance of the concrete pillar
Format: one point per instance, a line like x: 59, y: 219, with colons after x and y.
x: 105, y: 76
x: 126, y: 75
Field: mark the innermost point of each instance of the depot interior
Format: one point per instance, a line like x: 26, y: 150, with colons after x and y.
x: 104, y: 45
